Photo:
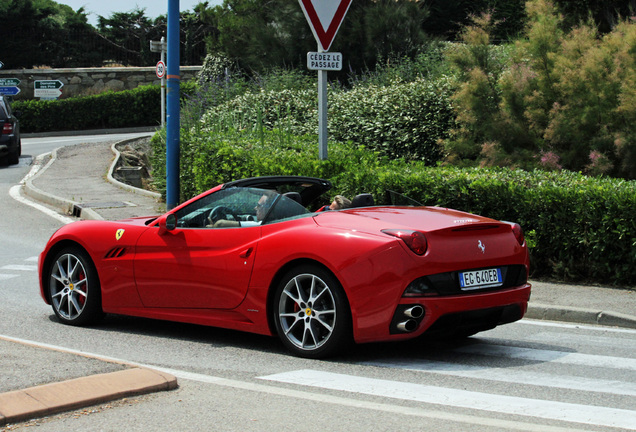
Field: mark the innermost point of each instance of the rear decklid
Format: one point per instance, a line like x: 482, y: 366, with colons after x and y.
x: 425, y: 219
x: 456, y: 240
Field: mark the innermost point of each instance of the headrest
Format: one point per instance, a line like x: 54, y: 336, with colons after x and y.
x: 362, y: 200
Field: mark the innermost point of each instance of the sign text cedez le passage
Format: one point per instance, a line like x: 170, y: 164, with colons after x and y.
x: 324, y: 61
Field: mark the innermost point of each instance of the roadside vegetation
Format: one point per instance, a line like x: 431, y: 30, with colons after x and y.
x: 540, y: 130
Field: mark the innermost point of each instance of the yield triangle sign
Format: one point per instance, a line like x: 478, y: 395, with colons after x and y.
x: 324, y: 18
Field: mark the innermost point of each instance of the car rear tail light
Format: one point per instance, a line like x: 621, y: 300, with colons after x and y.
x: 518, y: 232
x: 7, y: 129
x: 415, y: 240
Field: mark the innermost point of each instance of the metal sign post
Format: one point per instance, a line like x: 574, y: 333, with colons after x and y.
x: 324, y: 18
x: 173, y: 121
x: 161, y: 73
x: 322, y: 115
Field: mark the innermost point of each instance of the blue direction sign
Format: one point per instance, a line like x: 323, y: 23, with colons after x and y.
x: 1, y: 65
x: 9, y: 90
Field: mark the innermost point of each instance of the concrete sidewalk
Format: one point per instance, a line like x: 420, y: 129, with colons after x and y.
x: 78, y: 181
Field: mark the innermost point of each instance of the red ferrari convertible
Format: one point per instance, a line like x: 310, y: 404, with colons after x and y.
x: 250, y: 255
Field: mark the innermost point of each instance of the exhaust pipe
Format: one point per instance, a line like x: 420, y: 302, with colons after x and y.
x: 407, y: 326
x: 414, y: 312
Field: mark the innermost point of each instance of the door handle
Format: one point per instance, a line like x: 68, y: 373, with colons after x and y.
x: 247, y: 252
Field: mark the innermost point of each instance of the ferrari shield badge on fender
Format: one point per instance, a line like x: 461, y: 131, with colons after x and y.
x: 119, y: 233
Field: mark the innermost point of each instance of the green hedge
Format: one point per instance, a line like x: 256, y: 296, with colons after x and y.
x: 578, y: 228
x: 400, y: 120
x: 129, y: 108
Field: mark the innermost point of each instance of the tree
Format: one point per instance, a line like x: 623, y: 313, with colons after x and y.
x: 376, y: 30
x: 37, y: 32
x: 605, y: 14
x: 260, y: 35
x: 565, y: 99
x: 128, y: 35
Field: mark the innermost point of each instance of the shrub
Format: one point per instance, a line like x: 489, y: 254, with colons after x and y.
x: 129, y: 108
x: 403, y: 120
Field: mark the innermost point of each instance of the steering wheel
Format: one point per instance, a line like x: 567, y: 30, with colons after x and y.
x: 221, y: 212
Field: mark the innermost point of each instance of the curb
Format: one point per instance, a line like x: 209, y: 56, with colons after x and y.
x: 580, y: 316
x: 21, y: 405
x: 66, y: 206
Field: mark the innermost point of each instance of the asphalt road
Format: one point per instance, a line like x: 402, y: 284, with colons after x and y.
x: 531, y: 375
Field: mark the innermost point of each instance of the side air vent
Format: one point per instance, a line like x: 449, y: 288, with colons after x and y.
x: 117, y: 252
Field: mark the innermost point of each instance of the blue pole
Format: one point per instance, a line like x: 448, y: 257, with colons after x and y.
x: 172, y: 102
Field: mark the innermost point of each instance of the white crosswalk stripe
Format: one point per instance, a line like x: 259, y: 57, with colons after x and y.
x: 15, y: 267
x: 512, y: 376
x: 550, y: 356
x: 8, y: 271
x: 551, y: 410
x: 540, y: 369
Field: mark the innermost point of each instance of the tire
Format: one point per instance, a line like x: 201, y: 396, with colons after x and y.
x: 14, y: 157
x: 74, y: 288
x: 311, y: 313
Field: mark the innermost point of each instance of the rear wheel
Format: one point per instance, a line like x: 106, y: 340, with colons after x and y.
x: 311, y: 313
x: 74, y: 287
x: 14, y: 157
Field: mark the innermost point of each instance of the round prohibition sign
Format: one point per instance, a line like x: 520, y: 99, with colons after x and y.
x: 161, y: 69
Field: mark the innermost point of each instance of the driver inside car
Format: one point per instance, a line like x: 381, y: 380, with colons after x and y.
x: 261, y: 208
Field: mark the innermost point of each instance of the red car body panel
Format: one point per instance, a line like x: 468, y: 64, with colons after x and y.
x: 225, y: 277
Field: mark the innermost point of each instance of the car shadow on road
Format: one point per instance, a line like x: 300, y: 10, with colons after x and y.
x: 422, y: 349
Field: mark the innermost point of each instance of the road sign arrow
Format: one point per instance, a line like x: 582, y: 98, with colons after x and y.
x: 48, y: 84
x: 324, y: 18
x: 9, y: 90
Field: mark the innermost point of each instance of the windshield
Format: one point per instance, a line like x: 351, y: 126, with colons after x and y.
x: 240, y: 207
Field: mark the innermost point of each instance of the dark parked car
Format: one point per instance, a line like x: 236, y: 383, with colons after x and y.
x: 10, y: 144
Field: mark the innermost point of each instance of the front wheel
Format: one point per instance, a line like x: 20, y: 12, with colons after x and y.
x: 311, y: 313
x: 74, y: 287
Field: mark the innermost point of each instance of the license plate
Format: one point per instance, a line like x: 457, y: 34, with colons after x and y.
x: 477, y: 279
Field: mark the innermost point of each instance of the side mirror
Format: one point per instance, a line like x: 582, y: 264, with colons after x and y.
x: 167, y: 223
x: 171, y: 222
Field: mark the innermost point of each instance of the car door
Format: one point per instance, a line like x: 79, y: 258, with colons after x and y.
x: 196, y: 265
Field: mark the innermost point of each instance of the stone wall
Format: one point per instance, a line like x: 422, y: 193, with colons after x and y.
x: 89, y: 81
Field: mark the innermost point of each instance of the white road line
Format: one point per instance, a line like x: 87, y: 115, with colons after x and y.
x: 550, y: 356
x: 575, y: 326
x: 545, y: 409
x: 32, y: 259
x: 19, y: 267
x: 515, y: 376
x: 7, y: 276
x: 15, y: 194
x: 563, y: 339
x: 496, y: 424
